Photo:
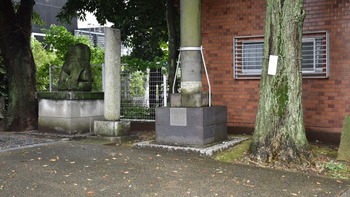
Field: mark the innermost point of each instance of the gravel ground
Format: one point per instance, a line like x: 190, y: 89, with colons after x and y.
x: 10, y: 141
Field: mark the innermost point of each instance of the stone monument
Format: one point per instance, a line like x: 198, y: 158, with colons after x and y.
x: 190, y: 120
x: 73, y: 108
x: 112, y: 125
x: 76, y: 70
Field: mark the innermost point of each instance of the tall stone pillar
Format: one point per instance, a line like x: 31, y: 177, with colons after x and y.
x: 189, y: 121
x: 191, y: 78
x: 112, y: 126
x: 112, y: 74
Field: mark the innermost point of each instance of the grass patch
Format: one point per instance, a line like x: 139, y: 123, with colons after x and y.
x: 234, y: 153
x: 326, y: 151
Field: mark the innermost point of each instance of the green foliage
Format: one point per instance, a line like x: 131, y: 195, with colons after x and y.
x: 336, y: 169
x: 134, y: 111
x: 42, y: 60
x: 142, y: 23
x: 37, y: 20
x: 96, y: 78
x: 60, y: 39
x: 134, y: 63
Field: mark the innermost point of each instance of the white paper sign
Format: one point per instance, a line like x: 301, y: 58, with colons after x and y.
x: 272, y: 65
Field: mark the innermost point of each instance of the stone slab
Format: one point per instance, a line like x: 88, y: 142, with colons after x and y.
x: 112, y: 128
x: 204, y: 125
x: 67, y: 125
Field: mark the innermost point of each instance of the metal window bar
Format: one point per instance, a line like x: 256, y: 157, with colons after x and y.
x: 248, y: 50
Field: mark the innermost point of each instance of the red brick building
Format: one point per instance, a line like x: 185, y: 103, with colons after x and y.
x: 232, y: 38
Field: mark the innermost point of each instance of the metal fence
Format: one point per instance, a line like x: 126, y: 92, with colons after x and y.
x: 141, y: 91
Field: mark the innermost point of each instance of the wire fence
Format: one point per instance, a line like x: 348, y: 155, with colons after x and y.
x: 141, y: 91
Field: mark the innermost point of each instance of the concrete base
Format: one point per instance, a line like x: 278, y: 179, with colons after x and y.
x: 112, y: 128
x: 189, y: 100
x: 69, y: 112
x: 191, y: 126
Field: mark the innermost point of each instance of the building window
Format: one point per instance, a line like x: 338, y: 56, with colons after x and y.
x: 248, y: 56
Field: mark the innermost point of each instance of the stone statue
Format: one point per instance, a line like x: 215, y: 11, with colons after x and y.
x: 76, y: 70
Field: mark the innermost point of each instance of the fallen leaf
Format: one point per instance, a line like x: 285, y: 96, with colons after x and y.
x: 90, y: 193
x: 72, y: 162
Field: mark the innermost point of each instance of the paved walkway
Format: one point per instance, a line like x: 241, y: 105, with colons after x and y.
x: 73, y: 168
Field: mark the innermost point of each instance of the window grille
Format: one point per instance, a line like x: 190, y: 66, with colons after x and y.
x: 248, y: 56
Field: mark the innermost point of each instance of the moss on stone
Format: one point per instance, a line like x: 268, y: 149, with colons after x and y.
x: 70, y: 95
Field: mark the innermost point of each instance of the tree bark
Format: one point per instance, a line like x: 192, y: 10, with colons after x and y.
x: 173, y: 31
x: 15, y: 30
x: 279, y: 133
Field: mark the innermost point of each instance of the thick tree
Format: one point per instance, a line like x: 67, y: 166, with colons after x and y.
x: 172, y: 17
x: 15, y: 31
x: 279, y: 133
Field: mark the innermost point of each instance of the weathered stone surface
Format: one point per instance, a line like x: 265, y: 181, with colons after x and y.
x: 112, y: 128
x: 189, y: 100
x: 195, y: 100
x: 112, y: 74
x: 191, y: 62
x: 76, y: 70
x: 344, y: 147
x: 203, y: 125
x: 69, y: 116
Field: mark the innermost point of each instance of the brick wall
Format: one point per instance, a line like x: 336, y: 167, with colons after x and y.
x: 326, y: 101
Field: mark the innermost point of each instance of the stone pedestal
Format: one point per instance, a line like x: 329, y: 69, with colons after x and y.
x: 189, y: 100
x: 191, y: 126
x: 112, y: 128
x: 69, y: 112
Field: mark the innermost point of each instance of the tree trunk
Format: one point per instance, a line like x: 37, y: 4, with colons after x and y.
x: 173, y: 30
x: 15, y: 29
x: 279, y: 133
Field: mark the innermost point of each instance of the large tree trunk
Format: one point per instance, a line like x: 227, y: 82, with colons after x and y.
x: 279, y: 133
x: 173, y: 30
x: 15, y: 29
